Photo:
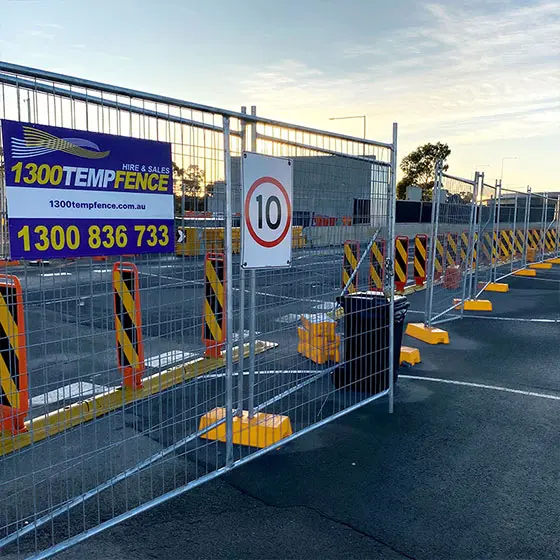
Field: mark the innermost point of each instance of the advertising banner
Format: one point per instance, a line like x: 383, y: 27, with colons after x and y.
x: 72, y: 193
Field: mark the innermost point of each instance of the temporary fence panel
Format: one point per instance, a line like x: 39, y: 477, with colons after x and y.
x: 453, y: 218
x: 486, y: 213
x: 233, y: 360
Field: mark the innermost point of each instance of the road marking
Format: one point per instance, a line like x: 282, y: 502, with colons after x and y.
x: 271, y: 372
x: 536, y: 278
x: 167, y: 358
x: 289, y: 318
x: 235, y: 335
x: 101, y: 270
x: 289, y: 298
x: 158, y: 266
x: 73, y: 391
x: 326, y: 306
x: 483, y: 386
x: 180, y: 280
x: 50, y: 274
x: 514, y: 319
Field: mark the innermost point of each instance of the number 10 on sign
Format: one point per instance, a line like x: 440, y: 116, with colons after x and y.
x: 266, y: 237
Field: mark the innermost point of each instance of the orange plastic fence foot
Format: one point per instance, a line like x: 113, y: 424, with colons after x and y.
x: 12, y: 420
x: 132, y: 379
x: 214, y: 351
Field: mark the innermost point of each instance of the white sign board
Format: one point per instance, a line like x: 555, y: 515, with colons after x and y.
x: 266, y: 234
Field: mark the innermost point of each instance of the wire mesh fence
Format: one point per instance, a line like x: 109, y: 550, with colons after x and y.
x: 222, y: 355
x: 452, y: 246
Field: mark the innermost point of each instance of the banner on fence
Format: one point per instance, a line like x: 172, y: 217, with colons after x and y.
x: 73, y: 193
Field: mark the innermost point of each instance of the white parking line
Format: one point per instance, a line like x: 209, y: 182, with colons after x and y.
x: 167, y: 358
x: 70, y: 392
x: 235, y: 335
x: 483, y: 386
x: 288, y: 319
x: 271, y: 372
x: 180, y: 281
x: 51, y: 274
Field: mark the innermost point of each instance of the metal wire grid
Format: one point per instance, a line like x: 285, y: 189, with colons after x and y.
x: 67, y: 486
x: 453, y: 220
x: 310, y: 287
x: 487, y: 229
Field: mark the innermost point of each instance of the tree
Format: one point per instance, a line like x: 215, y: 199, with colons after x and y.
x: 419, y: 167
x: 190, y: 184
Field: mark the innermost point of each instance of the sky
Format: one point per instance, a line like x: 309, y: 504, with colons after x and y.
x: 482, y: 76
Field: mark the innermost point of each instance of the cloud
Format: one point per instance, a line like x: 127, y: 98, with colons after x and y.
x: 469, y: 74
x: 40, y: 34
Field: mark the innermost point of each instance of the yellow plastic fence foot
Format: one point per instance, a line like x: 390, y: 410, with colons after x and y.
x: 497, y: 287
x: 555, y: 260
x: 410, y: 355
x: 541, y: 266
x: 429, y: 335
x: 474, y: 304
x: 525, y: 272
x: 260, y: 431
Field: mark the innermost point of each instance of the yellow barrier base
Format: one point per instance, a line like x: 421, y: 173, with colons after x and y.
x: 525, y: 272
x: 541, y: 266
x: 430, y: 335
x: 474, y: 304
x: 260, y: 431
x: 554, y: 261
x: 410, y: 355
x: 497, y: 287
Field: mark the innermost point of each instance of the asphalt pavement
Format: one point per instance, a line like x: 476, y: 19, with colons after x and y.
x: 466, y: 467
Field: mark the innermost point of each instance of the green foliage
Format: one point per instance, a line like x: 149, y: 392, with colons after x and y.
x: 419, y: 167
x: 189, y: 183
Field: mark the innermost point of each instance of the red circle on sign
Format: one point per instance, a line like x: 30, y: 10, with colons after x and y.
x: 253, y: 233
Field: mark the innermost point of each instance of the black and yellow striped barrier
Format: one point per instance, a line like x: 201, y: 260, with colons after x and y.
x: 475, y: 250
x: 519, y: 241
x: 14, y: 397
x: 464, y: 247
x: 439, y: 261
x: 486, y: 247
x: 350, y: 260
x: 401, y: 262
x: 504, y: 245
x: 451, y: 253
x: 550, y: 241
x: 214, y: 324
x: 420, y: 254
x: 377, y: 265
x: 128, y: 324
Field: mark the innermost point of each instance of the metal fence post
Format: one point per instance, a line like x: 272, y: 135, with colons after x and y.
x: 253, y: 300
x: 229, y: 294
x: 557, y: 210
x: 496, y: 231
x: 392, y: 207
x: 526, y: 226
x: 433, y: 237
x: 479, y: 233
x: 241, y: 336
x: 544, y: 227
x: 467, y: 279
x: 513, y: 233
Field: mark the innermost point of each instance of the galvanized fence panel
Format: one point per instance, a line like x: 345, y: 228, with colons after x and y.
x: 451, y: 241
x: 93, y: 452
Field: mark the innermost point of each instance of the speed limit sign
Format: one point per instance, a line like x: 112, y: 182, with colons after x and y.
x: 266, y: 238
